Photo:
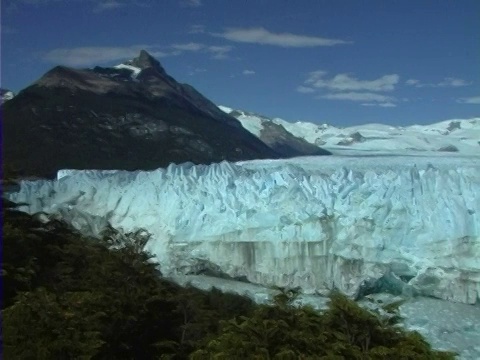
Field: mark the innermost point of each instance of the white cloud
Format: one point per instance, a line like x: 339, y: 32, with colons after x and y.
x: 367, y: 97
x: 314, y: 76
x: 348, y: 88
x: 305, y: 89
x: 95, y: 55
x: 248, y: 72
x: 84, y: 56
x: 386, y: 104
x: 197, y: 29
x: 188, y: 47
x: 191, y: 3
x: 452, y: 82
x: 197, y: 71
x: 412, y: 82
x: 262, y: 36
x: 344, y: 82
x: 470, y: 100
x: 219, y: 52
x: 107, y: 5
x: 446, y: 82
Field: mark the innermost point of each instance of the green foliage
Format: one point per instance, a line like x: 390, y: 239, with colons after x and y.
x: 285, y: 297
x: 70, y: 297
x: 344, y: 331
x: 67, y: 296
x: 59, y: 327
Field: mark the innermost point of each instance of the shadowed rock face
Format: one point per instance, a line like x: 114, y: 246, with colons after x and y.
x: 145, y: 61
x: 449, y: 148
x: 275, y: 135
x: 285, y: 143
x: 119, y: 118
x: 354, y: 138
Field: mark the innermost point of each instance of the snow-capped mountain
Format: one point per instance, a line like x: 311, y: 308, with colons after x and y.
x: 275, y: 135
x: 6, y: 95
x: 456, y: 135
x: 132, y: 116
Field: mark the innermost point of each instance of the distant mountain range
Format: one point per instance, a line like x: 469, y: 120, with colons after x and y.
x: 130, y: 116
x: 456, y: 135
x: 135, y: 116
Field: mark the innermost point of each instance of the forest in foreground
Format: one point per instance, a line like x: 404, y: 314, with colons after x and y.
x: 67, y: 296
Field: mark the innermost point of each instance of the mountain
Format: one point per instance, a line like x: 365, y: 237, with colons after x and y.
x: 131, y: 116
x: 274, y: 135
x: 456, y: 135
x: 6, y: 95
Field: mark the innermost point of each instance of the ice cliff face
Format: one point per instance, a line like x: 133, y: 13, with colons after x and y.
x: 359, y: 224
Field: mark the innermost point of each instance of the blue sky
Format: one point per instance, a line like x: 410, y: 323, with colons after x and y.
x: 343, y: 62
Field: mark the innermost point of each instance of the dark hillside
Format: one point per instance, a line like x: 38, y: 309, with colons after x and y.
x: 111, y: 118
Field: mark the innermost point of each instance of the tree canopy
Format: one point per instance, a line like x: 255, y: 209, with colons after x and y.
x: 67, y: 296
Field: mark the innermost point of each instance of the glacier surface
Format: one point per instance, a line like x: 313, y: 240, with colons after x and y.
x: 359, y: 224
x: 454, y: 135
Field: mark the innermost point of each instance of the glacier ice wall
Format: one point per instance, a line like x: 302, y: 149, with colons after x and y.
x: 352, y: 223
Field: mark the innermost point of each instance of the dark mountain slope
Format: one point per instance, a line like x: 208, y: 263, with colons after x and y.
x: 118, y: 118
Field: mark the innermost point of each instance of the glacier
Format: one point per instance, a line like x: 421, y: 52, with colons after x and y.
x: 361, y: 224
x: 454, y: 135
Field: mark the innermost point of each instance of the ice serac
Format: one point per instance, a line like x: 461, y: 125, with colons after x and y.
x: 359, y: 224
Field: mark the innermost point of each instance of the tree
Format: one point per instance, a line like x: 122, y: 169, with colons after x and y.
x: 41, y: 325
x: 344, y: 331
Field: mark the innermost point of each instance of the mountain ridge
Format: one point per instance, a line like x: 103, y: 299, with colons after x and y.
x: 133, y: 116
x: 454, y: 135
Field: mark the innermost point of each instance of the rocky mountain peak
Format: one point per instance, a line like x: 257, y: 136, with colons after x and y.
x: 146, y: 61
x: 130, y: 116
